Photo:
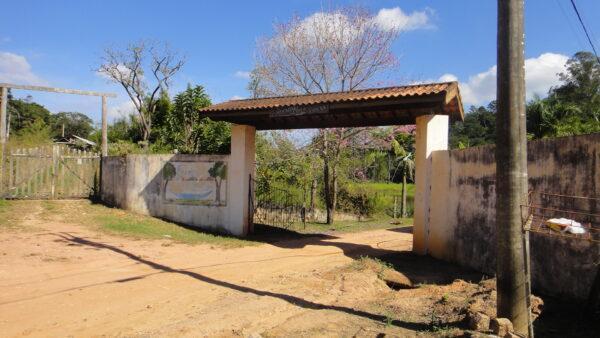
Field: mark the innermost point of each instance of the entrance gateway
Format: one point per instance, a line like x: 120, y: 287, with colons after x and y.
x: 430, y: 106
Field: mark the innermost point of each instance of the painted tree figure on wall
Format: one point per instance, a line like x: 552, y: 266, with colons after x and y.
x: 218, y: 172
x: 168, y: 173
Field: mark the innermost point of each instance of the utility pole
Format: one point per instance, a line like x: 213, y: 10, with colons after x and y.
x: 511, y: 167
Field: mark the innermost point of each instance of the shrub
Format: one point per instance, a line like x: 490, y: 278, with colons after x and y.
x: 356, y: 202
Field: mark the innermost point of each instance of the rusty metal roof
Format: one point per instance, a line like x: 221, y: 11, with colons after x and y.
x: 390, y: 105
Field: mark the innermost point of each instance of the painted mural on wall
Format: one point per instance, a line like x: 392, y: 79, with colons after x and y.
x: 201, y: 183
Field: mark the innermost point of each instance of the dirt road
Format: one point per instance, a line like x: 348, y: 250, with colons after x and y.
x: 64, y: 279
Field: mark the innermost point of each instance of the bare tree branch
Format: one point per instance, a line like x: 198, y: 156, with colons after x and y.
x: 127, y: 68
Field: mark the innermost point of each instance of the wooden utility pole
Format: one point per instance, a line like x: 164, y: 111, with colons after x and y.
x: 3, y: 131
x: 511, y: 166
x: 3, y: 115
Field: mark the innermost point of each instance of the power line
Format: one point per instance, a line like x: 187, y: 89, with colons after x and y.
x: 571, y: 25
x: 585, y: 30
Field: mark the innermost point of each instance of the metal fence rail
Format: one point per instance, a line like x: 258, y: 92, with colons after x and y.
x: 276, y: 207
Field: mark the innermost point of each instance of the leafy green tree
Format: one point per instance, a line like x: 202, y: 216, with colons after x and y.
x: 478, y: 128
x: 24, y: 112
x: 73, y: 123
x: 160, y: 118
x: 572, y: 108
x: 32, y: 135
x: 189, y: 131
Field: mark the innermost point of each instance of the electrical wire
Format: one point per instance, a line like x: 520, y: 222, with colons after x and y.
x: 587, y: 34
x: 571, y: 25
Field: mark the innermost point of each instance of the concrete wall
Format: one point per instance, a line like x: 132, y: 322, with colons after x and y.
x: 136, y: 183
x: 462, y: 215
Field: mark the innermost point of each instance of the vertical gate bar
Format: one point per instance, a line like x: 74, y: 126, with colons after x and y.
x: 79, y: 162
x: 17, y: 172
x: 47, y: 171
x: 54, y: 162
x: 10, y: 171
x: 62, y: 176
x: 35, y: 166
x: 29, y: 172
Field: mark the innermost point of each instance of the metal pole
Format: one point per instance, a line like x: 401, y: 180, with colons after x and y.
x: 104, y: 128
x: 511, y: 166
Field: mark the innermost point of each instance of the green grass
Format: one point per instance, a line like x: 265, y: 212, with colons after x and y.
x: 124, y: 223
x: 12, y: 215
x: 5, y: 207
x: 377, y: 222
x: 383, y: 188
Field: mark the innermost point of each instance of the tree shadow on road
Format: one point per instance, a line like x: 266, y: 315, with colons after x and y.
x: 419, y: 269
x: 297, y: 301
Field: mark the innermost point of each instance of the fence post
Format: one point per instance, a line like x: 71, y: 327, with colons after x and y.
x: 55, y: 150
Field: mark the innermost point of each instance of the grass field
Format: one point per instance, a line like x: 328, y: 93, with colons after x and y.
x: 124, y: 223
x: 384, y: 188
x: 374, y: 223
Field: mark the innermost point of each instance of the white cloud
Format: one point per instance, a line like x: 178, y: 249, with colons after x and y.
x: 345, y: 28
x: 121, y: 69
x: 237, y: 97
x: 15, y: 69
x: 448, y: 78
x: 123, y: 109
x: 5, y: 39
x: 541, y: 73
x: 396, y: 19
x: 242, y: 74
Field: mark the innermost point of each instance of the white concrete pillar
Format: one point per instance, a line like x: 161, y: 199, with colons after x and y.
x: 241, y: 168
x: 432, y: 135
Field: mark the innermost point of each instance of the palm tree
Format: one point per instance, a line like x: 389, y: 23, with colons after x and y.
x: 405, y: 165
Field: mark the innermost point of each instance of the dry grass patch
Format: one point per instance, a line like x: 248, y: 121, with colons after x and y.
x: 125, y: 223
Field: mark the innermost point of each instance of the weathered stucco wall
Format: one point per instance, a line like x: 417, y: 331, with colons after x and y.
x: 463, y: 210
x: 141, y: 183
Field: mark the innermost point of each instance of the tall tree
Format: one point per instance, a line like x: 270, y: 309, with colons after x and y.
x: 144, y: 70
x: 330, y: 51
x: 190, y: 131
x: 24, y: 112
x: 71, y: 123
x: 478, y: 127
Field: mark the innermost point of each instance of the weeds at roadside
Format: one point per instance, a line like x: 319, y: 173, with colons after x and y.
x: 375, y: 264
x: 124, y: 223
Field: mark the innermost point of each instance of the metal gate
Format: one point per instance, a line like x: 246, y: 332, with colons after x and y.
x: 49, y: 172
x: 275, y: 207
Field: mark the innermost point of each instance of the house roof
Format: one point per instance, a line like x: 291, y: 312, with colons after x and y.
x: 365, y: 107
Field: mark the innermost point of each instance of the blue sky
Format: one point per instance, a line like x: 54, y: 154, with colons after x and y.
x: 59, y: 43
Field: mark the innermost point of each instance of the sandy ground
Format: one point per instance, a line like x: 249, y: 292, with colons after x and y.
x: 60, y: 278
x: 64, y: 279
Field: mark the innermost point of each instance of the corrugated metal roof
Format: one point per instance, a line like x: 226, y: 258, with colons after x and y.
x: 336, y: 97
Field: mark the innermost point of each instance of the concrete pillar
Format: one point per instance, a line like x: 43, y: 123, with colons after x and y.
x: 241, y: 168
x: 432, y: 135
